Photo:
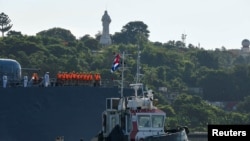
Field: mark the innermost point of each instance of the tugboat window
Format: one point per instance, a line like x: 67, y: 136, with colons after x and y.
x: 144, y: 121
x: 157, y: 121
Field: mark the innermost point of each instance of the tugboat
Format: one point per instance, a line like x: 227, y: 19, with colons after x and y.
x: 136, y: 118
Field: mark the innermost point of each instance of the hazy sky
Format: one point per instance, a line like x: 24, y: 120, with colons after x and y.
x: 210, y: 23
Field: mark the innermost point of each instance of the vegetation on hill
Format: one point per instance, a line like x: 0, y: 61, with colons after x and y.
x: 220, y: 75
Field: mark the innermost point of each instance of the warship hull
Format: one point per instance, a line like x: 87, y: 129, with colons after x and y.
x: 43, y: 114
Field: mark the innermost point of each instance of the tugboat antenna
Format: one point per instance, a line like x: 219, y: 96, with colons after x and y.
x: 138, y: 66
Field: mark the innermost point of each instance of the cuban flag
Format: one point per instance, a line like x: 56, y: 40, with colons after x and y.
x: 116, y: 63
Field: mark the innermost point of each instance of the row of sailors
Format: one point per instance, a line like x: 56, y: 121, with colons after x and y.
x: 64, y: 76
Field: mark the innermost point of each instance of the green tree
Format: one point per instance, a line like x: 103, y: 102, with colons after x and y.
x: 90, y: 42
x: 130, y: 33
x: 4, y: 23
x: 208, y: 59
x: 195, y: 112
x: 244, y: 106
x: 60, y: 33
x: 14, y: 33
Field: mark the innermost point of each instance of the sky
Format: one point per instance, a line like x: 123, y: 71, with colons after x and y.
x: 209, y: 24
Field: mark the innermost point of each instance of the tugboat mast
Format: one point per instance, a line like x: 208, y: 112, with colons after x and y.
x: 138, y: 84
x: 122, y: 81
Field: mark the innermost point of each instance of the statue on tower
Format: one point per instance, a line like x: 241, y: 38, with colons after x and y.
x: 245, y: 48
x: 105, y: 37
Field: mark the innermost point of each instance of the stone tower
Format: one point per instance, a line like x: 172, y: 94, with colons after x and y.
x: 105, y: 38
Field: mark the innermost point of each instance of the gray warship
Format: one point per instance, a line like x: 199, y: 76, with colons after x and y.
x: 38, y: 113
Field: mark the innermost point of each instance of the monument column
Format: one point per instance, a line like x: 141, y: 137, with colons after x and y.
x: 105, y: 37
